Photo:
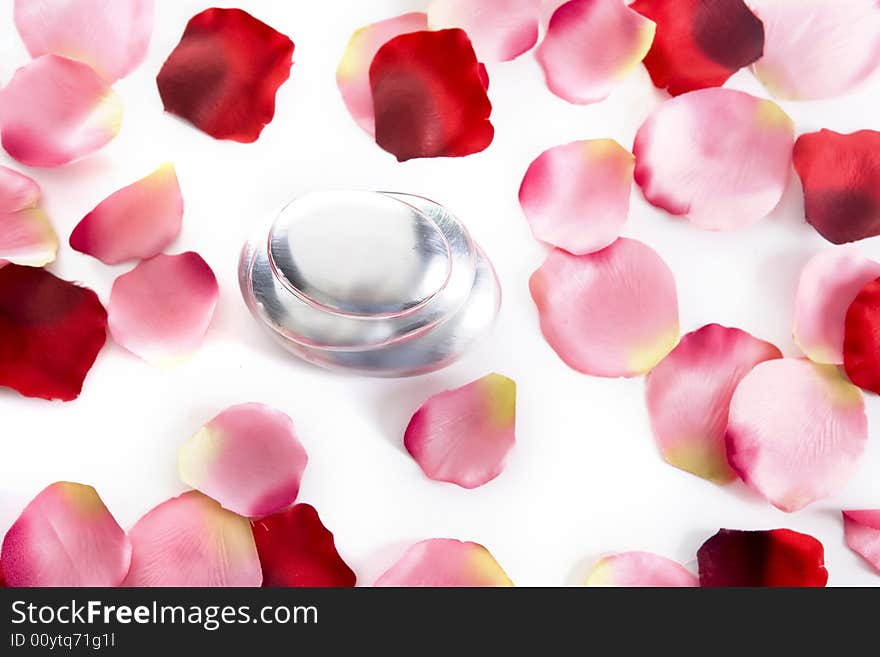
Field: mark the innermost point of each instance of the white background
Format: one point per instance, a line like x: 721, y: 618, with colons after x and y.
x: 585, y: 477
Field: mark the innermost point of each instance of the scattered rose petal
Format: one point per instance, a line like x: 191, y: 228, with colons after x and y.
x: 223, y: 75
x: 26, y: 235
x: 689, y: 395
x: 111, y: 36
x: 861, y: 338
x: 297, y: 550
x: 161, y: 309
x: 773, y: 557
x: 429, y: 96
x: 639, y: 569
x: 445, y: 562
x: 353, y: 74
x: 700, y: 43
x: 841, y: 179
x: 499, y: 29
x: 248, y: 458
x: 65, y: 537
x: 817, y: 49
x: 611, y: 313
x: 135, y: 222
x: 17, y: 191
x: 862, y: 532
x: 590, y: 46
x: 719, y: 156
x: 796, y: 431
x: 55, y: 110
x: 463, y: 436
x: 828, y: 285
x: 51, y: 331
x: 576, y: 196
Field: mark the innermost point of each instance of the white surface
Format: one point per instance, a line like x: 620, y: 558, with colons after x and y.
x: 585, y: 477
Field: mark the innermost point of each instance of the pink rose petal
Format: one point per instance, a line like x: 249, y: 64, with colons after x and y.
x: 689, y: 393
x: 65, y: 537
x: 862, y: 532
x: 56, y: 110
x: 718, y: 156
x: 445, y: 562
x: 640, y: 569
x: 576, y: 196
x: 463, y: 436
x: 111, y: 36
x: 592, y: 45
x: 191, y: 540
x: 248, y: 458
x: 796, y: 431
x: 135, y: 222
x: 26, y: 235
x: 611, y: 313
x: 17, y: 191
x: 499, y: 29
x: 161, y: 309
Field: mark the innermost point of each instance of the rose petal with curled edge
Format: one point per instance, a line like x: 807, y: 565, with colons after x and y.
x: 773, y: 557
x: 689, y: 393
x: 796, y: 431
x: 17, y: 191
x: 639, y: 569
x: 611, y: 313
x: 135, y: 222
x: 862, y: 532
x: 65, y: 537
x: 817, y: 49
x: 297, y: 550
x: 161, y: 309
x: 718, y: 156
x: 445, y: 562
x: 700, y: 43
x: 111, y: 36
x: 463, y: 436
x: 56, y: 110
x: 248, y: 458
x: 828, y: 284
x: 861, y: 338
x: 26, y: 234
x: 190, y: 540
x: 500, y: 30
x: 590, y: 46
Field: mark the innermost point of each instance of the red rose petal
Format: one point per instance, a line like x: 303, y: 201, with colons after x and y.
x: 700, y: 43
x: 297, y: 550
x: 862, y: 532
x: 861, y: 338
x: 499, y: 29
x: 223, y: 75
x: 429, y: 99
x: 775, y: 557
x: 50, y: 333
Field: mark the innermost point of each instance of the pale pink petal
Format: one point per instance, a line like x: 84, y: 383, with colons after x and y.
x: 815, y: 48
x: 610, y: 313
x: 135, y: 222
x: 111, y: 36
x: 590, y: 46
x: 463, y: 436
x: 17, y: 191
x: 499, y: 29
x: 161, y: 309
x: 862, y: 532
x: 445, y: 562
x: 248, y: 458
x: 576, y: 196
x: 829, y: 282
x: 640, y: 569
x: 353, y: 74
x: 718, y: 156
x: 796, y: 431
x: 26, y: 235
x: 65, y: 537
x: 190, y: 540
x: 55, y: 110
x: 689, y: 393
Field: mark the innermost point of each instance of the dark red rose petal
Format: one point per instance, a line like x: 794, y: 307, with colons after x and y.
x: 841, y: 178
x: 50, y: 333
x: 700, y: 43
x: 223, y: 75
x: 297, y: 550
x: 774, y: 557
x: 429, y: 96
x: 861, y: 338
